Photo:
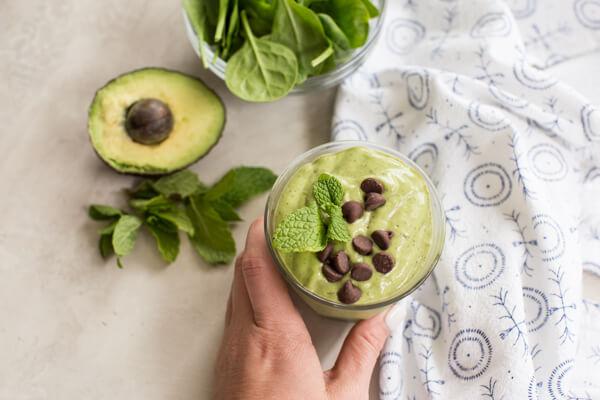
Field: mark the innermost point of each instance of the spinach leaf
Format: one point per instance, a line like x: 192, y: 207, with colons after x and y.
x: 299, y: 28
x: 373, y: 11
x: 262, y: 70
x: 212, y: 237
x: 203, y: 15
x: 260, y: 15
x: 338, y: 38
x: 223, y: 5
x: 232, y: 30
x: 351, y: 16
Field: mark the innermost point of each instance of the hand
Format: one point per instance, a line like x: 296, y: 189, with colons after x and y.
x: 267, y: 352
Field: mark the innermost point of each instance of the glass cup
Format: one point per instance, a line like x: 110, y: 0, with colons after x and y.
x: 314, y: 83
x: 326, y: 307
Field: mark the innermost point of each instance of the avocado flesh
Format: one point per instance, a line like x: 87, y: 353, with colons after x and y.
x: 199, y: 117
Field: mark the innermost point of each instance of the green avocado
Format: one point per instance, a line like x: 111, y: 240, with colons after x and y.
x: 154, y: 121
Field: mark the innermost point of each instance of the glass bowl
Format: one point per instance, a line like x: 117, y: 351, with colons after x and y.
x: 329, y: 308
x: 313, y: 83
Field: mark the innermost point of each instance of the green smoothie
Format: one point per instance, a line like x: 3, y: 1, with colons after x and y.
x: 407, y: 213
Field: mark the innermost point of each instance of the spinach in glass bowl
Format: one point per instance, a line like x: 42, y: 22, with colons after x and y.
x: 265, y: 49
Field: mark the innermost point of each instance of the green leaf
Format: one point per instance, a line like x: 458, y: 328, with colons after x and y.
x: 302, y: 230
x: 222, y: 187
x: 351, y: 16
x: 337, y: 229
x: 125, y: 234
x: 167, y: 241
x: 225, y: 210
x: 108, y: 229
x: 220, y: 28
x: 338, y: 38
x: 182, y: 183
x: 154, y: 204
x: 203, y: 15
x: 176, y: 216
x: 262, y: 70
x: 299, y: 28
x: 249, y: 181
x: 373, y: 11
x: 105, y: 245
x: 212, y: 237
x: 99, y: 212
x: 144, y: 190
x: 328, y: 189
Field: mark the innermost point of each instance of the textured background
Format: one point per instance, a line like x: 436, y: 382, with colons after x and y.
x: 71, y: 324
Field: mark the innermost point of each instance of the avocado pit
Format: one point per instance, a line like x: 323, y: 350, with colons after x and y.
x: 149, y: 121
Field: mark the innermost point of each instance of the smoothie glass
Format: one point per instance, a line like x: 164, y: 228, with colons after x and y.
x: 329, y: 308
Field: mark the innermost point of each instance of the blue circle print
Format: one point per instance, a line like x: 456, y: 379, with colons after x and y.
x: 470, y: 354
x: 547, y: 162
x: 550, y: 237
x: 590, y: 119
x: 487, y: 117
x: 537, y: 311
x: 555, y: 383
x: 480, y: 266
x: 522, y: 8
x: 390, y: 375
x: 417, y: 86
x: 403, y: 35
x: 532, y: 77
x: 588, y: 13
x: 348, y: 129
x: 426, y: 156
x: 494, y: 24
x: 488, y: 185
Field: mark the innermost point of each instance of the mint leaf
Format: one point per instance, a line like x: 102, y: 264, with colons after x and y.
x: 159, y: 202
x: 249, y: 181
x: 302, y: 230
x: 124, y: 235
x: 183, y: 183
x: 328, y: 189
x: 105, y: 245
x: 144, y: 190
x: 167, y: 241
x: 108, y: 229
x: 225, y: 210
x: 337, y: 229
x: 99, y: 212
x: 176, y: 216
x: 222, y: 187
x: 212, y: 237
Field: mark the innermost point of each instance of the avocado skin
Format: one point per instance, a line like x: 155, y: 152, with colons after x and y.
x: 156, y: 173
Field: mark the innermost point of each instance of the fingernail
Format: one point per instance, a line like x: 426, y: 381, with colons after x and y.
x: 395, y: 315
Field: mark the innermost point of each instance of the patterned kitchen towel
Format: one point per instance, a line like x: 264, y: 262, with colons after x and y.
x: 514, y: 155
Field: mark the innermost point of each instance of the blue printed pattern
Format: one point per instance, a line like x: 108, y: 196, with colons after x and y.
x: 459, y: 86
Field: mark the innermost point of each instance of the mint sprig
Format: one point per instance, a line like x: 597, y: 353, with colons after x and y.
x: 181, y: 202
x: 306, y: 228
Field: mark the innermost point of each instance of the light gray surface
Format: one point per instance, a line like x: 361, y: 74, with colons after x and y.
x: 74, y: 326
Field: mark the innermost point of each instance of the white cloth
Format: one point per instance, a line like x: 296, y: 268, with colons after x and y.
x: 515, y: 156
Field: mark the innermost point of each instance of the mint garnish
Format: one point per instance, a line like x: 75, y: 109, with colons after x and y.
x: 327, y: 190
x: 302, y: 230
x: 305, y: 229
x: 180, y: 202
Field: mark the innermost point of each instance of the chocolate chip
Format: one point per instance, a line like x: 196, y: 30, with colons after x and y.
x: 340, y: 262
x: 325, y: 253
x: 330, y: 274
x: 373, y: 201
x: 372, y: 185
x: 383, y: 262
x: 382, y: 238
x: 352, y: 210
x: 362, y: 245
x: 349, y: 293
x: 361, y: 272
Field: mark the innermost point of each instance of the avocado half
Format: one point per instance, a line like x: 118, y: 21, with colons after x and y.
x: 154, y: 121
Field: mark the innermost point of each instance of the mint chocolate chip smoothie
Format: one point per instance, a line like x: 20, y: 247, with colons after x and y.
x: 388, y: 216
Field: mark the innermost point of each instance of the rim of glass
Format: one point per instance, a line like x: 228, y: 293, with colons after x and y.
x: 309, y: 156
x: 330, y: 78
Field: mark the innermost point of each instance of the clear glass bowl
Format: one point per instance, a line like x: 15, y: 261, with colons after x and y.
x: 322, y: 305
x: 313, y: 83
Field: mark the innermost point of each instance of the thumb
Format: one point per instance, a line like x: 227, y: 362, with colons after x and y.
x: 351, y: 374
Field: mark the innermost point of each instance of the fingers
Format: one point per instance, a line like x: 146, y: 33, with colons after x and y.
x: 241, y: 310
x: 266, y: 288
x: 351, y: 375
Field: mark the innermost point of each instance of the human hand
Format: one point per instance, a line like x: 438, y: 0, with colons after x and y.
x: 267, y: 352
